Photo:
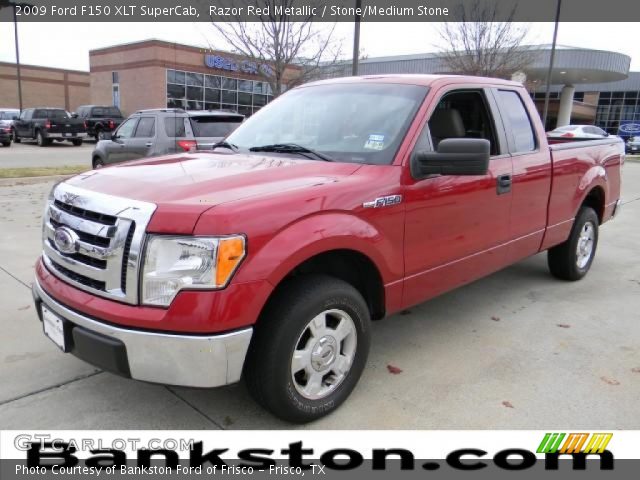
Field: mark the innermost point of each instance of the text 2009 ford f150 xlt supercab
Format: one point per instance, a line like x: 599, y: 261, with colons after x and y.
x: 341, y: 202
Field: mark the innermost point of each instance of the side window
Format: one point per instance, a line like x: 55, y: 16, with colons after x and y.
x: 40, y: 114
x: 24, y: 115
x: 98, y: 112
x: 517, y: 120
x: 174, y: 127
x: 146, y: 128
x: 127, y: 128
x: 461, y: 114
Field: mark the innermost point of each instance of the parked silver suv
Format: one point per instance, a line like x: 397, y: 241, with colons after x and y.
x: 148, y: 133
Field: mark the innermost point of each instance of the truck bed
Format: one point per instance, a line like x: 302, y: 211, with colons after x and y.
x: 576, y: 164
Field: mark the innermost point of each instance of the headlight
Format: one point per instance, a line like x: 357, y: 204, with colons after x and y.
x: 172, y: 264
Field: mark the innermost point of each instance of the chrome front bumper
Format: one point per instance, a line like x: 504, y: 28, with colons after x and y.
x: 173, y: 359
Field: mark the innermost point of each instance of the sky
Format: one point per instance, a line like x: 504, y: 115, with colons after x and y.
x: 67, y: 45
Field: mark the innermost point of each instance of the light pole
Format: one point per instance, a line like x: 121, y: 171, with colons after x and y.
x: 14, y: 6
x: 551, y: 61
x: 356, y: 40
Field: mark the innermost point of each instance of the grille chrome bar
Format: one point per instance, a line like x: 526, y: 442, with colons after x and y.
x: 110, y: 233
x: 78, y: 223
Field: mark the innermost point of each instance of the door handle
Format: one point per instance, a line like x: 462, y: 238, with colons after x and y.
x: 148, y: 144
x: 503, y: 184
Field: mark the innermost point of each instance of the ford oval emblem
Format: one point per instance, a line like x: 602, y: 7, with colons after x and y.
x: 65, y: 239
x: 630, y: 128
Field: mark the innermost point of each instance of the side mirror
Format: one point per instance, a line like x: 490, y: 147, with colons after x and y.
x: 606, y: 134
x: 455, y: 156
x: 15, y: 118
x: 74, y: 115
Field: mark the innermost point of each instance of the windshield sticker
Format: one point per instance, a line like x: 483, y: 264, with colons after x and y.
x: 375, y: 142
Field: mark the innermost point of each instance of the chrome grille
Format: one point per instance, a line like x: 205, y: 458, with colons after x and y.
x: 109, y: 232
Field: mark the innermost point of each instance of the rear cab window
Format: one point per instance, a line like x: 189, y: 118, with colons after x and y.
x: 520, y: 133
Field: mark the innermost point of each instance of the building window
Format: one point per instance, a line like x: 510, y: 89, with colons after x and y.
x: 197, y: 91
x: 115, y: 77
x: 616, y: 107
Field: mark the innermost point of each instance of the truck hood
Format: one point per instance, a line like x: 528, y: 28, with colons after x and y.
x: 185, y: 186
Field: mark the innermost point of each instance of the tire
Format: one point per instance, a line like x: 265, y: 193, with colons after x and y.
x: 40, y: 140
x: 96, y: 135
x: 77, y: 142
x: 286, y: 327
x: 16, y: 139
x: 572, y: 259
x: 6, y: 144
x: 97, y: 162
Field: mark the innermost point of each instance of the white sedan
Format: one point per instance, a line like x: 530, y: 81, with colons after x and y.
x: 577, y: 131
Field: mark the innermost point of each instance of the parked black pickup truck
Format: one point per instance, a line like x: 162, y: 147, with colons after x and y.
x: 47, y: 124
x: 99, y: 119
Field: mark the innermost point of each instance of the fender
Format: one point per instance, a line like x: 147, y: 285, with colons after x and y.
x: 595, y: 176
x: 317, y: 234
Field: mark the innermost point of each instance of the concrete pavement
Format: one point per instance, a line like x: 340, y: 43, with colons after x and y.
x: 516, y: 350
x: 28, y: 154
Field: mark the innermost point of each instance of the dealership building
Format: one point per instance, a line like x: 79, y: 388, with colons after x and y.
x: 588, y: 86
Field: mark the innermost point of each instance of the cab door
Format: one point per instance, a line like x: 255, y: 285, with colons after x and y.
x: 531, y: 173
x: 457, y: 227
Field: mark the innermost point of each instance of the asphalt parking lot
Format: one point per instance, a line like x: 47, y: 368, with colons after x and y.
x: 28, y: 154
x: 516, y: 350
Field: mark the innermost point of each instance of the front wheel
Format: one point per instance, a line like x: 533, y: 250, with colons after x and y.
x: 309, y: 348
x: 6, y: 144
x: 98, y: 162
x: 572, y: 259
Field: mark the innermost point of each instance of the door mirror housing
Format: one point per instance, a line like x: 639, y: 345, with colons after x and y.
x: 454, y: 156
x: 74, y: 115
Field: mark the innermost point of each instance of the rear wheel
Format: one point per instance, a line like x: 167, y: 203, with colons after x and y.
x: 98, y: 162
x: 77, y: 142
x: 96, y: 135
x: 309, y: 349
x: 6, y: 144
x: 40, y: 140
x: 16, y: 139
x: 572, y: 259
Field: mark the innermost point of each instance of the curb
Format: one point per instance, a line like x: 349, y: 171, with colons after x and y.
x: 8, y: 182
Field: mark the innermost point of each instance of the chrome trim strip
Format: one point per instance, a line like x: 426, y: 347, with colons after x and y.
x: 186, y: 360
x: 73, y: 265
x: 82, y: 224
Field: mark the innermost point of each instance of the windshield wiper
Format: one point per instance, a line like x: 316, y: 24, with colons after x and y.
x: 225, y: 144
x: 291, y: 148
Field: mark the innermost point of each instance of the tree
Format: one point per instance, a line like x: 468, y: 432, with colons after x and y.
x: 481, y: 45
x: 279, y: 42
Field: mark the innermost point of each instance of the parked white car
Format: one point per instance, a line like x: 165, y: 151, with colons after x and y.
x: 578, y: 131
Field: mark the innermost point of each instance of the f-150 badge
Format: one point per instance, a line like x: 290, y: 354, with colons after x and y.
x: 383, y: 201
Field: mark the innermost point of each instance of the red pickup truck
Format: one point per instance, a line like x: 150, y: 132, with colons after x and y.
x: 342, y: 202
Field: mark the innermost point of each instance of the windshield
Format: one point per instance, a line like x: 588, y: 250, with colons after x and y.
x: 214, y: 125
x: 363, y: 123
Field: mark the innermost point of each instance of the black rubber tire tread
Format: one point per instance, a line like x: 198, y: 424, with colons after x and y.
x: 562, y: 258
x: 267, y: 369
